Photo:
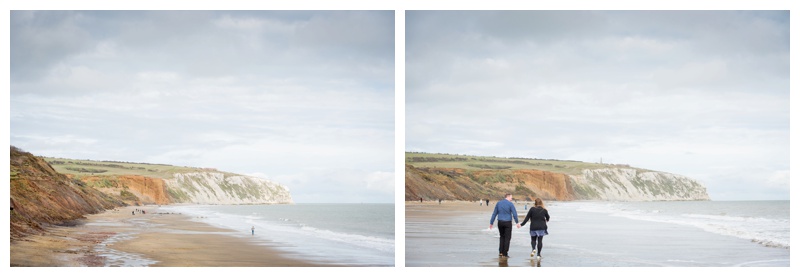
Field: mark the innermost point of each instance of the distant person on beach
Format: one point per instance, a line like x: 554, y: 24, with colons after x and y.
x: 487, y: 202
x: 539, y: 217
x: 504, y: 211
x: 253, y: 231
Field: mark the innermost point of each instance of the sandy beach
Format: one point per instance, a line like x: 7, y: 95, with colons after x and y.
x: 118, y: 238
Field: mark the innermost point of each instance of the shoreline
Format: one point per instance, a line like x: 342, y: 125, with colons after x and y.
x: 118, y: 238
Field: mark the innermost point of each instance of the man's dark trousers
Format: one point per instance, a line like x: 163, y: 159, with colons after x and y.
x: 505, y: 228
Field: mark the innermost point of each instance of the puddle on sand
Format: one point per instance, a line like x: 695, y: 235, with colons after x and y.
x: 115, y: 258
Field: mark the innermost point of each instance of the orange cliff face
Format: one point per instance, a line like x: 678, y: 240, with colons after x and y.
x: 527, y: 183
x: 145, y: 189
x: 549, y: 185
x: 471, y: 185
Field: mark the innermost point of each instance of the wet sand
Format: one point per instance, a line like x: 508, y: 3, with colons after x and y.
x: 457, y: 234
x: 458, y: 207
x: 118, y: 238
x: 453, y: 233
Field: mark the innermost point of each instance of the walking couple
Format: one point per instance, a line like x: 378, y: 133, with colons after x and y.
x: 505, y: 211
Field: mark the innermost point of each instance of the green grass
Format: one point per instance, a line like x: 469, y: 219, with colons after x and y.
x: 128, y: 196
x: 14, y: 173
x: 427, y: 160
x: 88, y: 167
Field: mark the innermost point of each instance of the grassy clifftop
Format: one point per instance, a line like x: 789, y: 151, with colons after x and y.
x: 427, y: 160
x: 88, y: 167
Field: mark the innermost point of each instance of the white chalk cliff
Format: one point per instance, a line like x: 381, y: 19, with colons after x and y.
x: 226, y: 189
x: 630, y: 184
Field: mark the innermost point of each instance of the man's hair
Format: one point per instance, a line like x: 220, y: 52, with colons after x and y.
x: 507, y: 195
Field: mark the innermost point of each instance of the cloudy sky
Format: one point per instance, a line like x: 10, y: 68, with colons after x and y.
x: 303, y: 98
x: 704, y: 94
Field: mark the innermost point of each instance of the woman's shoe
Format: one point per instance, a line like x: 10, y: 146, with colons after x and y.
x: 533, y: 253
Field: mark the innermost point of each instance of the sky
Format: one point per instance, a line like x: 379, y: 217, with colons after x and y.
x: 303, y: 98
x: 306, y: 98
x: 703, y: 94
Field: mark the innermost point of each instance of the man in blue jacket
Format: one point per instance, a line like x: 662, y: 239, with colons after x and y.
x: 504, y: 211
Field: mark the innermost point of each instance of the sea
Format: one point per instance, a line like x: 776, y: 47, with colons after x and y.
x: 609, y: 234
x: 332, y: 234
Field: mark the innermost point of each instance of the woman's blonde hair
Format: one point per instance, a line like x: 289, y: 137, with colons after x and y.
x: 538, y: 203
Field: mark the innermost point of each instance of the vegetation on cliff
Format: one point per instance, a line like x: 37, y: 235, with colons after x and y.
x: 472, y: 185
x: 40, y: 196
x: 133, y: 189
x: 428, y: 160
x: 630, y: 184
x: 106, y: 168
x: 225, y: 188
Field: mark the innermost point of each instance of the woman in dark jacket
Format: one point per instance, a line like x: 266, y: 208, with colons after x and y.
x: 539, y: 217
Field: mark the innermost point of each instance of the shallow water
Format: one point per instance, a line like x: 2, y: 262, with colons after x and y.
x: 115, y: 258
x: 340, y: 234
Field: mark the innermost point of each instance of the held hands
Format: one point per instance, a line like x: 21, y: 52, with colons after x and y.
x: 491, y: 225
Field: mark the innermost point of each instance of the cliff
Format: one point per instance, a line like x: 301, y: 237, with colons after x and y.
x: 454, y: 177
x: 628, y: 184
x: 471, y: 185
x: 211, y: 188
x: 40, y: 196
x: 133, y: 189
x: 221, y: 188
x: 52, y: 191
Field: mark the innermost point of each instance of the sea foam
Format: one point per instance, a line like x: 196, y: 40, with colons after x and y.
x: 771, y: 232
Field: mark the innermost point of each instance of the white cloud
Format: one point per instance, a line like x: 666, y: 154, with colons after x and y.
x: 158, y: 76
x: 381, y: 181
x: 778, y: 180
x: 254, y: 25
x: 58, y: 141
